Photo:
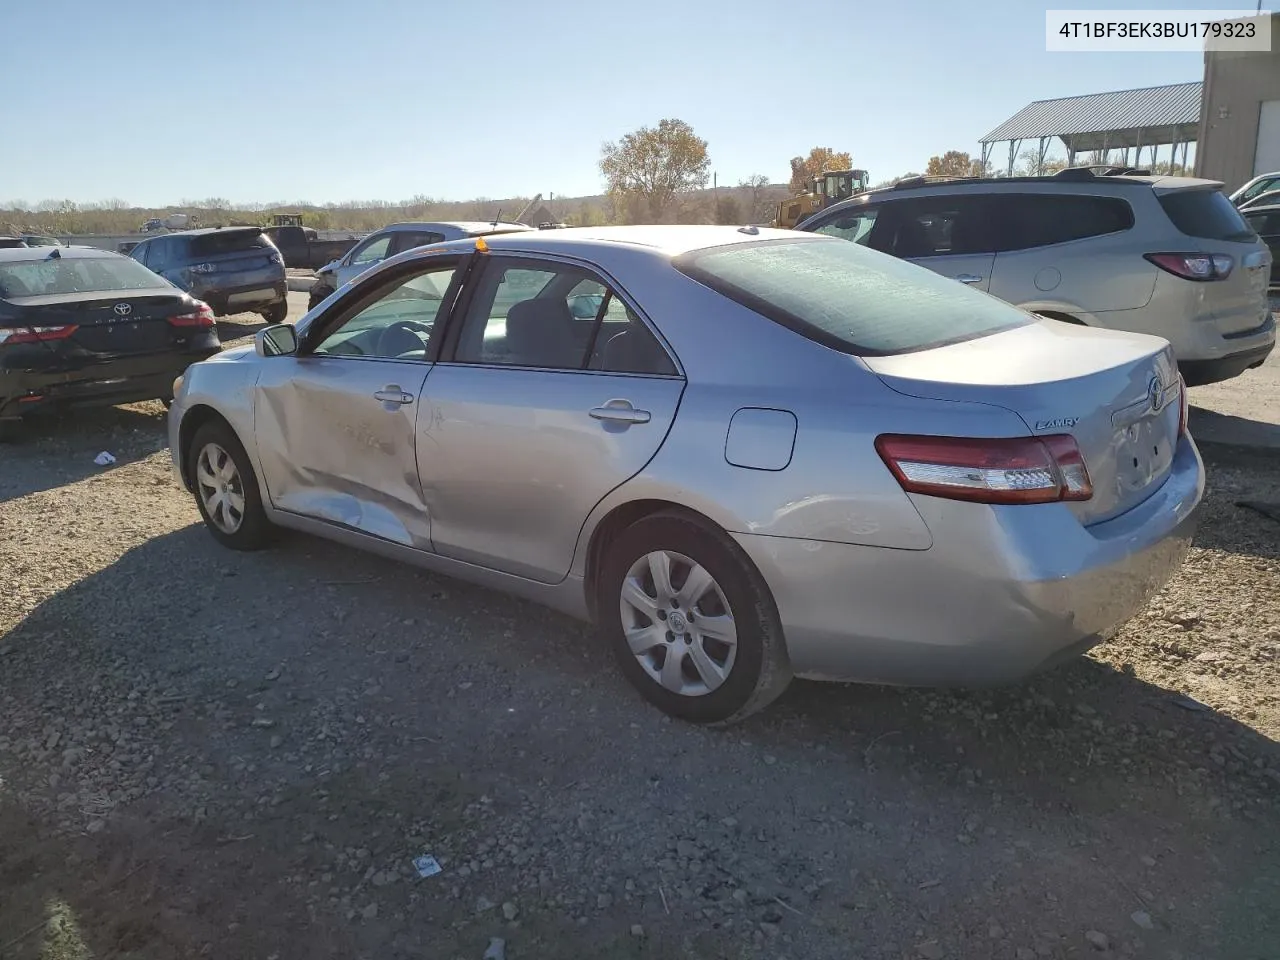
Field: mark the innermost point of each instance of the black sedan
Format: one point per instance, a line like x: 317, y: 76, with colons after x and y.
x: 87, y: 327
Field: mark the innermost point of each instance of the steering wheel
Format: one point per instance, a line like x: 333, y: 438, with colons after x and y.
x: 402, y: 337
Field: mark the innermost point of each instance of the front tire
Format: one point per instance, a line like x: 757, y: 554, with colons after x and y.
x: 226, y: 489
x: 691, y: 621
x: 277, y: 312
x: 318, y: 293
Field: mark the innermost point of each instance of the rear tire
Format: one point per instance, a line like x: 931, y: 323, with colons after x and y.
x: 226, y: 489
x: 709, y: 608
x: 276, y: 313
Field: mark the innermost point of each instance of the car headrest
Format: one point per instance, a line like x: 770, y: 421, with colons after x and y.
x: 540, y: 334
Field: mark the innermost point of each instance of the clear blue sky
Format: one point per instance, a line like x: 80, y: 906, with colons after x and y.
x: 154, y: 101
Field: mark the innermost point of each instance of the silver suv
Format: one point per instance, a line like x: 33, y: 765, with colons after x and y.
x: 1170, y: 256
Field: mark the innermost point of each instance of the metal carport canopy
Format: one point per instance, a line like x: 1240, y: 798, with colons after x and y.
x: 1120, y: 120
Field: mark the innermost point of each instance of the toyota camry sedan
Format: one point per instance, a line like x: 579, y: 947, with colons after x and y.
x: 745, y: 454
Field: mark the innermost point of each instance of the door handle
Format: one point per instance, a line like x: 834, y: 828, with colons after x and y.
x: 393, y: 394
x: 968, y: 278
x: 620, y: 411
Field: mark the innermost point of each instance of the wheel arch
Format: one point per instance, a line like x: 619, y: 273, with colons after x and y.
x: 618, y: 519
x: 192, y: 421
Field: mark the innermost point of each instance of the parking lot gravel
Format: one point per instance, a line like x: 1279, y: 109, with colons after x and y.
x: 213, y: 754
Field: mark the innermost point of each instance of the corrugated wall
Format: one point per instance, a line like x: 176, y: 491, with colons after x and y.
x: 1235, y: 85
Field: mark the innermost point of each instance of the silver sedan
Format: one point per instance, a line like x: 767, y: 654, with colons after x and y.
x: 745, y: 454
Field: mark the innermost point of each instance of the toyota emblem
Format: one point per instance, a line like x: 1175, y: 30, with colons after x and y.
x: 123, y: 309
x: 1154, y: 393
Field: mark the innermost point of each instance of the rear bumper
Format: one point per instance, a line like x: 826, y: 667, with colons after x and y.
x: 1002, y: 593
x: 244, y: 298
x: 128, y: 380
x: 1197, y: 373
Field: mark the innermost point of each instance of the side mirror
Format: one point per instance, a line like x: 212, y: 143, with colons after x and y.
x: 277, y: 340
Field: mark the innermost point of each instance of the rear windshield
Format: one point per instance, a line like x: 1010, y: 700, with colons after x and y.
x: 58, y: 277
x: 1206, y: 214
x: 212, y: 244
x: 848, y: 297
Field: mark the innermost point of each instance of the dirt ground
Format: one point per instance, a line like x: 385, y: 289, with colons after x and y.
x: 211, y: 754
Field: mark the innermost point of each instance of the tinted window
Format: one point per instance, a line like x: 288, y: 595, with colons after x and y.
x: 408, y: 239
x: 36, y: 278
x: 847, y: 297
x: 229, y: 241
x: 398, y: 324
x: 1207, y: 214
x: 1265, y: 224
x: 1259, y: 188
x: 938, y: 227
x: 1022, y: 221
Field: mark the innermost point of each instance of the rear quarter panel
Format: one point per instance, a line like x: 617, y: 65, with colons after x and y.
x: 1086, y: 277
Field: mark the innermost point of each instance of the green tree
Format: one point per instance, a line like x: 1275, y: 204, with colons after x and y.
x: 818, y: 162
x: 954, y: 163
x: 655, y: 164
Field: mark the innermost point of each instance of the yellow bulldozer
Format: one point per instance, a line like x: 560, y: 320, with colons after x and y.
x: 832, y: 187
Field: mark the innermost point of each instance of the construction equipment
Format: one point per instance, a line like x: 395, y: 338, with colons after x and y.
x: 832, y: 187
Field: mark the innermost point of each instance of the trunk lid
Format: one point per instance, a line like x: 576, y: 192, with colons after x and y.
x: 127, y: 323
x: 1117, y: 394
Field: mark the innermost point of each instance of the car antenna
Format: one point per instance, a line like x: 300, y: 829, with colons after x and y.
x: 496, y: 219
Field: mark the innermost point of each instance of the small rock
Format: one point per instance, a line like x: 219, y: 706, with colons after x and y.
x: 770, y: 759
x: 510, y: 910
x: 53, y: 740
x: 604, y: 901
x: 274, y: 674
x: 995, y: 932
x: 930, y: 950
x: 383, y: 878
x: 1024, y: 953
x: 497, y: 949
x: 1148, y: 861
x: 96, y: 826
x: 687, y: 849
x: 1142, y: 919
x: 637, y: 931
x: 1085, y: 710
x: 276, y: 741
x: 370, y: 912
x: 484, y: 905
x: 1098, y: 940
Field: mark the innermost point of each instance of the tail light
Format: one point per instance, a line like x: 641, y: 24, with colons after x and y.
x: 1184, y: 406
x: 12, y: 335
x: 200, y: 316
x: 999, y: 470
x: 1200, y: 267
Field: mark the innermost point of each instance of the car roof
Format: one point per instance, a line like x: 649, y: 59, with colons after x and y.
x: 667, y: 240
x: 56, y: 253
x: 467, y: 226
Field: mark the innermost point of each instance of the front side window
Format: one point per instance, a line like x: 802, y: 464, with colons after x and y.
x: 398, y: 324
x: 847, y: 297
x: 373, y: 250
x: 854, y: 225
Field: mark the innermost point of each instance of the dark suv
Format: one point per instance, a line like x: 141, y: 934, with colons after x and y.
x: 233, y: 269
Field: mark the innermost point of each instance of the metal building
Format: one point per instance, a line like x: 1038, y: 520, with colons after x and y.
x: 1124, y: 122
x: 1239, y: 136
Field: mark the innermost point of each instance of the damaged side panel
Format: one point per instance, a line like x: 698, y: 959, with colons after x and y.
x: 336, y: 442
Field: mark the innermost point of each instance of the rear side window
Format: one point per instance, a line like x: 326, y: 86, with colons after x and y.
x: 1266, y: 224
x: 1024, y: 221
x: 212, y: 244
x: 1206, y: 214
x: 847, y: 297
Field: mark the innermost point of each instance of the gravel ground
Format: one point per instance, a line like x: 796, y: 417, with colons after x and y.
x: 211, y: 754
